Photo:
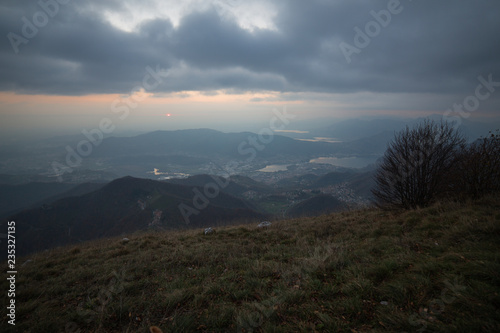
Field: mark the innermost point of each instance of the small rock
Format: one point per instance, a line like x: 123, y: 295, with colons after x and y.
x: 209, y: 231
x: 264, y: 224
x: 384, y: 303
x: 125, y: 240
x: 27, y: 261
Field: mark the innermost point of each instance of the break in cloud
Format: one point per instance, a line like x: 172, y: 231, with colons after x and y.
x: 100, y: 47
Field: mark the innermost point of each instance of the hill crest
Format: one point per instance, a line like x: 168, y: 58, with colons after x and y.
x: 430, y: 269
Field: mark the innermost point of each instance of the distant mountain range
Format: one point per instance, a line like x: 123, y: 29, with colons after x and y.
x: 207, y: 142
x: 197, y: 147
x: 126, y: 205
x: 356, y: 129
x: 123, y: 206
x: 49, y: 213
x: 17, y: 197
x: 193, y: 151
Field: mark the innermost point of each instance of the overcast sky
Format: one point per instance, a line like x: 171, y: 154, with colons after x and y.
x: 232, y: 59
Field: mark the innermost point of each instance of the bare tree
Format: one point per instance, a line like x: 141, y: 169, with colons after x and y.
x: 476, y: 171
x: 412, y: 170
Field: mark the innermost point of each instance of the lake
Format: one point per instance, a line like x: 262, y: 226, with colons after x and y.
x: 356, y: 162
x: 168, y: 175
x: 275, y: 168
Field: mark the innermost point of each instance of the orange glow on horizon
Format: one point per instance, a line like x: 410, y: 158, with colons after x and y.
x: 219, y: 97
x: 13, y: 98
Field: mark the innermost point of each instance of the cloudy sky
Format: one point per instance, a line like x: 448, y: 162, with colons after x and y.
x: 197, y: 63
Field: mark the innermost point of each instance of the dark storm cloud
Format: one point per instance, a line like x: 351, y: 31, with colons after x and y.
x: 428, y: 47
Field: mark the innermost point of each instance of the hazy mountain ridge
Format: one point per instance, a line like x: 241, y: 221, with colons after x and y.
x: 18, y: 197
x: 124, y: 205
x: 356, y: 129
x: 203, y: 142
x: 14, y: 197
x: 192, y: 151
x: 90, y: 211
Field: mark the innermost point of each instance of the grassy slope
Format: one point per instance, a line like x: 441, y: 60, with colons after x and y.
x: 437, y: 269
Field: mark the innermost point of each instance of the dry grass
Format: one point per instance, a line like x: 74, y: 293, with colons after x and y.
x: 433, y: 269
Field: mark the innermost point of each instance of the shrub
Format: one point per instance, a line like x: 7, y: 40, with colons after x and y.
x: 412, y: 171
x: 476, y: 171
